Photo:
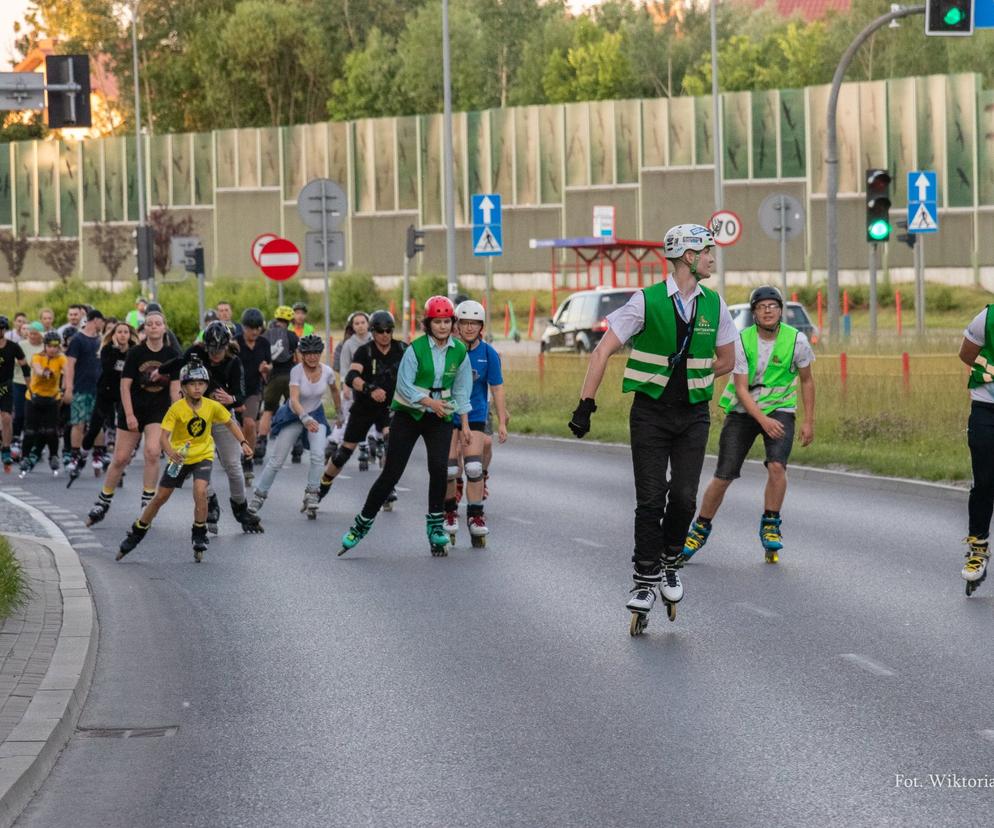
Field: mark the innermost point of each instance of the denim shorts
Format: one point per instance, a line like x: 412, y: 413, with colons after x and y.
x: 739, y: 433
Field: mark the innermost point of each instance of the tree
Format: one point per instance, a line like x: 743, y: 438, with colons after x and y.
x: 113, y: 244
x: 167, y: 224
x: 14, y: 249
x: 369, y: 87
x: 60, y: 253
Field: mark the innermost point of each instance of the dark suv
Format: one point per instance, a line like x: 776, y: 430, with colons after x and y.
x: 580, y: 321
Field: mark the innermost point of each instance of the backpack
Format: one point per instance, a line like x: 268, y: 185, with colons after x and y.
x: 279, y: 342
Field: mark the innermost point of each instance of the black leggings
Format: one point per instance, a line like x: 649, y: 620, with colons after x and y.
x: 103, y: 414
x: 404, y: 433
x: 980, y: 436
x: 41, y: 426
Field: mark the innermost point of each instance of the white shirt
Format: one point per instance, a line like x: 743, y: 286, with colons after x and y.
x: 311, y: 393
x: 803, y: 357
x: 629, y: 319
x: 976, y: 333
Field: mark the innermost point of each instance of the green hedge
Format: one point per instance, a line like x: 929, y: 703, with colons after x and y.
x: 13, y: 588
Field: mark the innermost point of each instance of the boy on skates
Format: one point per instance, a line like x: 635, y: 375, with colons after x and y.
x: 11, y: 355
x: 187, y: 442
x: 977, y: 351
x: 682, y: 338
x: 770, y: 356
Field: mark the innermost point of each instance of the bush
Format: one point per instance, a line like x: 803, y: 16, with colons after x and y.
x: 422, y: 288
x: 351, y: 292
x: 13, y: 588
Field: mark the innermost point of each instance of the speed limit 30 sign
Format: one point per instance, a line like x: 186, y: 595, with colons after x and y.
x: 726, y: 228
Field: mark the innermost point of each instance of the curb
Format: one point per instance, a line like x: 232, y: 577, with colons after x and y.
x: 31, y: 750
x: 897, y: 485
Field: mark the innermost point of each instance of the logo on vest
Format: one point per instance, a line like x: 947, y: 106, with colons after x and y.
x: 776, y: 360
x: 703, y: 323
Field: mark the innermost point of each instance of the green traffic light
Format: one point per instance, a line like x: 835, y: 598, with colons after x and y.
x: 879, y: 230
x: 953, y: 17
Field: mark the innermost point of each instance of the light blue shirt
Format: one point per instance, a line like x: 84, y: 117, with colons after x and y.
x: 462, y: 387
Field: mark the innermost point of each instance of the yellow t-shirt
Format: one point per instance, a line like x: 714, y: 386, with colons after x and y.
x: 40, y: 386
x: 184, y: 424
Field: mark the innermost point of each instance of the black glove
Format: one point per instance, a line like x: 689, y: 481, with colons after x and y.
x: 580, y: 422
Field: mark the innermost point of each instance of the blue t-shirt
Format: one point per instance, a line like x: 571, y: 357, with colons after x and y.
x: 485, y: 362
x: 87, y: 372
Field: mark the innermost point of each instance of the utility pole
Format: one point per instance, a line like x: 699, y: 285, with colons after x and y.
x: 139, y: 150
x: 447, y: 161
x: 716, y: 137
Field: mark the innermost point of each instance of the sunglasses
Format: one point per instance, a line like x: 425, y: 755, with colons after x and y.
x: 383, y: 330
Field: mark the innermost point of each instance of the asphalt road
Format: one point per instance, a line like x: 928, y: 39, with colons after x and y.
x: 501, y: 687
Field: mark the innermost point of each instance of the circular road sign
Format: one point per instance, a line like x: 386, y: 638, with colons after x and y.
x: 279, y: 259
x: 775, y: 206
x: 322, y: 203
x: 259, y: 243
x: 726, y: 227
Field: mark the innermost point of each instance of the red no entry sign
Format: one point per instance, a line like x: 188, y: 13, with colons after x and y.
x: 279, y: 259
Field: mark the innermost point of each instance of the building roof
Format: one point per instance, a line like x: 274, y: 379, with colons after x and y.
x: 809, y: 9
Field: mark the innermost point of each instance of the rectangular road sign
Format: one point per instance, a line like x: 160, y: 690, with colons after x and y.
x: 488, y: 240
x: 923, y: 204
x: 983, y: 14
x: 22, y: 90
x: 486, y: 209
x: 314, y: 251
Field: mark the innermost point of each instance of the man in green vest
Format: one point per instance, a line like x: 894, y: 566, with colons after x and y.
x: 770, y: 357
x: 977, y: 351
x: 434, y: 383
x: 682, y: 337
x: 136, y: 317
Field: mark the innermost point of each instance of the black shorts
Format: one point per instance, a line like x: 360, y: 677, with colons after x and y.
x: 481, y: 426
x: 199, y: 471
x: 276, y: 391
x: 362, y: 418
x: 6, y: 398
x: 739, y: 433
x: 145, y: 417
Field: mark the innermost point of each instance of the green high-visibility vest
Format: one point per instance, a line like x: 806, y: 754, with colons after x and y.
x: 425, y: 377
x: 648, y: 369
x: 983, y: 366
x: 778, y: 388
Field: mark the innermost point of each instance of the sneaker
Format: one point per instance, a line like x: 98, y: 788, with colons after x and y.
x: 643, y: 596
x: 670, y: 587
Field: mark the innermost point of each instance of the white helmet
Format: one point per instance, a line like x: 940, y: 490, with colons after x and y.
x: 683, y: 237
x: 471, y: 311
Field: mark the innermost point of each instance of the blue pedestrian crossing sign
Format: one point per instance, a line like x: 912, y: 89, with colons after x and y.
x: 923, y: 204
x: 488, y: 235
x: 983, y: 14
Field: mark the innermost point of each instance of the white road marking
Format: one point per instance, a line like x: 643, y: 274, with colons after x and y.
x: 762, y: 611
x: 590, y: 543
x: 988, y: 735
x: 522, y: 521
x: 867, y: 664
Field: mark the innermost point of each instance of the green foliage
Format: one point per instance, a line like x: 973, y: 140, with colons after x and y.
x: 369, y: 87
x: 422, y: 287
x: 352, y: 292
x: 14, y: 589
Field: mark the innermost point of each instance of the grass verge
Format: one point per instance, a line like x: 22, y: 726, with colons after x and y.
x: 13, y: 588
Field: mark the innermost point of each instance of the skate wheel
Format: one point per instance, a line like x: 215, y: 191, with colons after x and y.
x: 312, y: 515
x: 198, y: 555
x: 671, y: 612
x: 388, y: 507
x: 212, y: 528
x: 479, y: 541
x: 452, y: 539
x: 638, y: 624
x: 439, y: 551
x: 342, y: 551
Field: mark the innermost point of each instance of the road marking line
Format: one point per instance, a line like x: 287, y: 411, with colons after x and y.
x: 522, y: 521
x: 590, y: 543
x: 868, y: 664
x: 988, y: 735
x: 765, y: 613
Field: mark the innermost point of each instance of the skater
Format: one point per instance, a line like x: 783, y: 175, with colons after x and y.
x: 283, y: 350
x: 304, y: 412
x: 223, y: 310
x: 487, y: 378
x: 358, y: 324
x: 186, y: 437
x: 682, y: 338
x: 218, y: 353
x: 81, y: 380
x: 145, y: 398
x: 372, y: 379
x: 977, y: 351
x: 32, y: 343
x: 118, y: 340
x: 434, y: 382
x: 11, y: 357
x: 41, y: 415
x: 256, y: 357
x: 301, y: 327
x: 136, y: 317
x: 770, y: 357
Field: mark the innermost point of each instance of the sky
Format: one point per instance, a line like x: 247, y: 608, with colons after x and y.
x: 10, y: 10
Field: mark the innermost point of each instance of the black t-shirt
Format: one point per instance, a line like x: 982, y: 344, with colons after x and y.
x: 226, y: 374
x: 111, y: 365
x: 378, y: 369
x: 9, y: 354
x: 251, y: 359
x: 138, y: 367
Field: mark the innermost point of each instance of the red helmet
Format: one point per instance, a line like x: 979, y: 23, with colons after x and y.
x: 439, y: 307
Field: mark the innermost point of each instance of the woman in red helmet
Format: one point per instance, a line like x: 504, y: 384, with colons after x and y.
x: 434, y: 383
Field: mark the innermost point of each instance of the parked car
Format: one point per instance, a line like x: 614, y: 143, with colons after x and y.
x: 581, y: 320
x: 794, y: 314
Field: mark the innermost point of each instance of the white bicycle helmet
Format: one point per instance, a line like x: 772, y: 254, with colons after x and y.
x: 683, y: 237
x: 471, y: 311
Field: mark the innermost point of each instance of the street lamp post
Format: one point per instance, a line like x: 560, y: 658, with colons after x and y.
x: 139, y: 152
x: 447, y: 161
x: 716, y: 136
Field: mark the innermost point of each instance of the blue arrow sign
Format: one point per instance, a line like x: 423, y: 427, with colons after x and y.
x: 923, y: 207
x: 488, y: 240
x: 486, y: 209
x: 983, y: 14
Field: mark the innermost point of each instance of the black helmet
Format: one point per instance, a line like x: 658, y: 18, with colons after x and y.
x: 4, y: 323
x: 194, y: 371
x: 52, y: 338
x: 153, y: 307
x: 68, y: 333
x: 310, y: 344
x: 765, y: 293
x: 217, y: 337
x: 381, y: 320
x: 300, y: 306
x: 253, y: 318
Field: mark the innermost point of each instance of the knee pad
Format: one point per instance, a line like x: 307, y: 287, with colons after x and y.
x: 453, y: 468
x: 341, y: 456
x: 474, y: 468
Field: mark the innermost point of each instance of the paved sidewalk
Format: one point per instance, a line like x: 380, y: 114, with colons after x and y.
x: 47, y: 653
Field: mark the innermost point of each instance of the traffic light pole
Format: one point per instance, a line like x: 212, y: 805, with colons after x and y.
x: 832, y: 160
x: 140, y: 168
x: 873, y: 291
x: 920, y: 287
x: 405, y: 325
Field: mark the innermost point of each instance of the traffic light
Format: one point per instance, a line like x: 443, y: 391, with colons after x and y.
x: 195, y: 261
x: 144, y: 251
x: 68, y: 107
x: 878, y: 225
x: 415, y: 241
x: 910, y: 239
x: 948, y: 17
